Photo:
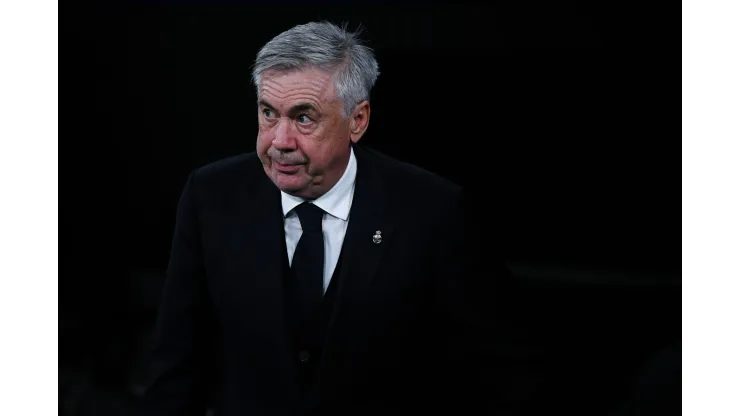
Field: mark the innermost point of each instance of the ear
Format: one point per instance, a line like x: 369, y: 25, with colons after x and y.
x: 359, y: 122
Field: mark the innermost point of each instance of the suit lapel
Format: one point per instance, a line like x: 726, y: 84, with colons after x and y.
x: 265, y: 238
x: 362, y: 251
x: 260, y: 262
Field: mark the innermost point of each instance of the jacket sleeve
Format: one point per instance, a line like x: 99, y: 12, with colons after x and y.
x: 179, y: 354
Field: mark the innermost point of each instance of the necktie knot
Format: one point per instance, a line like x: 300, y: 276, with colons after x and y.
x: 310, y: 216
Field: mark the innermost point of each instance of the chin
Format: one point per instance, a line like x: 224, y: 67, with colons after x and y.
x: 289, y: 185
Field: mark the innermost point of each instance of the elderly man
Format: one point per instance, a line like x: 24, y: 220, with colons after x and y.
x: 316, y: 276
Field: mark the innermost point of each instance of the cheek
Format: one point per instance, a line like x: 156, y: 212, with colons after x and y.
x: 312, y: 148
x: 320, y: 156
x: 264, y: 141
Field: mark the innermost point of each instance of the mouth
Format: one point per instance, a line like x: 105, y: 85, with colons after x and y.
x: 292, y: 168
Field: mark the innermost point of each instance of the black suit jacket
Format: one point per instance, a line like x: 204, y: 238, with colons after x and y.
x: 406, y: 334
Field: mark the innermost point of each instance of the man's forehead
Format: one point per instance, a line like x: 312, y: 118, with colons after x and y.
x: 310, y: 81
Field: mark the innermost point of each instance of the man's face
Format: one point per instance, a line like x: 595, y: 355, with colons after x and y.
x: 303, y: 140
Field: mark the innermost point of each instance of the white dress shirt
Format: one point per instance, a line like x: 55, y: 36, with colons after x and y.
x: 336, y: 204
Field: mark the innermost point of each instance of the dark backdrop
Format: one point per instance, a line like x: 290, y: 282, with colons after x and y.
x: 550, y: 116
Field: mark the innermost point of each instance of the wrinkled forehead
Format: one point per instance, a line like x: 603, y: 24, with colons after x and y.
x: 313, y: 83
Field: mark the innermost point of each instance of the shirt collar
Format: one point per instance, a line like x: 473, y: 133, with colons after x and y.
x: 337, y: 200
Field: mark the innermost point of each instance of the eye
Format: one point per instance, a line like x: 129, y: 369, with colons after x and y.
x: 268, y: 113
x: 304, y: 119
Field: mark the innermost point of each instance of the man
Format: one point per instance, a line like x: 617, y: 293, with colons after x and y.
x: 316, y: 276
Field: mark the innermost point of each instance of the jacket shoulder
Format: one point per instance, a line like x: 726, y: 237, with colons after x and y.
x: 228, y: 171
x: 225, y: 167
x: 411, y: 181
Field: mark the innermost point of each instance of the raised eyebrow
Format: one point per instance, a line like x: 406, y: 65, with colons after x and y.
x: 301, y: 108
x: 264, y: 103
x: 294, y: 111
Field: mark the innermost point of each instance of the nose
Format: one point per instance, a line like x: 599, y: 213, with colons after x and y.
x: 284, y: 136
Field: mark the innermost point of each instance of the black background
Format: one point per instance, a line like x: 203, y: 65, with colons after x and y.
x: 552, y: 116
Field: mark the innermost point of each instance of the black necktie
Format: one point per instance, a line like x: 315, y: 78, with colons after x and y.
x: 308, y: 260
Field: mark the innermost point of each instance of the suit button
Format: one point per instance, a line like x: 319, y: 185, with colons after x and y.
x: 303, y: 356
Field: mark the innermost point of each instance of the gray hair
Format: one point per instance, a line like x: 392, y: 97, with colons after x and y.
x: 326, y: 46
